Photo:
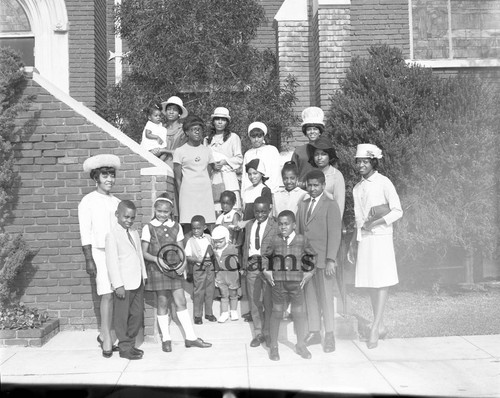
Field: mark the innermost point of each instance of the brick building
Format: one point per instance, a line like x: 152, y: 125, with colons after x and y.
x: 74, y: 54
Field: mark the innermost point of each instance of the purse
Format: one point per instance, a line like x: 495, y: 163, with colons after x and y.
x: 379, y: 211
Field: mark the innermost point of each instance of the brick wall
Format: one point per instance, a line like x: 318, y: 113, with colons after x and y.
x: 110, y: 40
x: 101, y: 49
x: 51, y: 184
x: 266, y: 37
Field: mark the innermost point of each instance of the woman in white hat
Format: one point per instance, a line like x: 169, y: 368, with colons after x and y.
x: 313, y: 126
x: 96, y: 215
x: 226, y: 147
x: 267, y: 154
x: 376, y: 207
x: 174, y: 112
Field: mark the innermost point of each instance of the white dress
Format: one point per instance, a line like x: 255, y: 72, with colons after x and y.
x: 271, y: 158
x: 156, y: 129
x: 376, y: 262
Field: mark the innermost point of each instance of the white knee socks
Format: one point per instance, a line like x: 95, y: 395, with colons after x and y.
x: 185, y: 321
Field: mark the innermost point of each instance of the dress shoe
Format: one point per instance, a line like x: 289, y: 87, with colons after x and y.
x: 113, y: 348
x: 210, y: 318
x: 166, y: 346
x: 137, y: 350
x: 247, y: 317
x: 371, y: 344
x: 257, y: 340
x: 198, y: 320
x: 303, y: 351
x: 197, y: 343
x: 312, y: 338
x: 130, y: 355
x: 224, y: 317
x: 107, y: 354
x: 274, y: 354
x: 329, y: 343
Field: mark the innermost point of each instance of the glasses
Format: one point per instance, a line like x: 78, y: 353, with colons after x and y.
x: 195, y: 129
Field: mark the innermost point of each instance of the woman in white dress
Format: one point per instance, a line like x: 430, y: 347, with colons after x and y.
x: 376, y: 208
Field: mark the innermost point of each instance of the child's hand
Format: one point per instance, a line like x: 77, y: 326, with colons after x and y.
x: 120, y: 292
x: 306, y: 278
x: 269, y: 276
x: 159, y: 141
x: 181, y: 269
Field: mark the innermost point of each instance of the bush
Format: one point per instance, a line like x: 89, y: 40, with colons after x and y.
x: 439, y: 137
x: 19, y: 316
x: 203, y: 54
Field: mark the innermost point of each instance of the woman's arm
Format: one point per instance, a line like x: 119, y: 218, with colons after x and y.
x: 178, y: 175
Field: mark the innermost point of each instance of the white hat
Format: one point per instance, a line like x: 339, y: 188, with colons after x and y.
x: 103, y: 160
x: 221, y: 112
x: 313, y: 115
x: 257, y: 165
x: 368, y: 151
x: 257, y: 125
x: 219, y: 232
x: 175, y: 101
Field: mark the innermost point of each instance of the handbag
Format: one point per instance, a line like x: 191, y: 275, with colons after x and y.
x: 379, y: 211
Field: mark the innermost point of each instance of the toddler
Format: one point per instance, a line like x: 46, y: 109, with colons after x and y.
x: 154, y: 135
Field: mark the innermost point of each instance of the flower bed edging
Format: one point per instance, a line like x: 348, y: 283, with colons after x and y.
x: 30, y: 337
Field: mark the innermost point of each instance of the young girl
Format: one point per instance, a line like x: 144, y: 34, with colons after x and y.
x: 267, y: 154
x: 192, y: 163
x: 288, y: 196
x: 174, y: 112
x: 154, y: 135
x: 228, y: 277
x: 227, y: 154
x: 160, y: 232
x: 376, y: 207
x: 256, y: 173
x: 313, y: 127
x: 229, y: 217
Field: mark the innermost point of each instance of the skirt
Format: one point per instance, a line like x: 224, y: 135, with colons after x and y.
x: 159, y: 281
x: 103, y: 284
x: 376, y: 262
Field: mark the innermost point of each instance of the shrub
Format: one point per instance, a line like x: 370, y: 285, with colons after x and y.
x: 19, y: 316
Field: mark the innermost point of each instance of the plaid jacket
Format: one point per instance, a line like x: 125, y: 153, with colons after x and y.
x: 288, y: 262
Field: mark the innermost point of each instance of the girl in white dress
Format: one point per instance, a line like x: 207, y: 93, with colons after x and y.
x: 376, y: 207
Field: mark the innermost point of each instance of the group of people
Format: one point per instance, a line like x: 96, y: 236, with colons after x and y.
x: 239, y: 226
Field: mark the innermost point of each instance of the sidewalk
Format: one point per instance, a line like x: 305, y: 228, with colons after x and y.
x: 446, y: 366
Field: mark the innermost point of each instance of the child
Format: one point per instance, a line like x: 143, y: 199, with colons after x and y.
x: 289, y: 196
x: 154, y: 135
x: 192, y: 163
x: 229, y: 217
x: 228, y: 277
x: 267, y: 154
x: 160, y: 232
x: 290, y: 267
x: 127, y: 273
x: 199, y: 253
x: 256, y: 172
x: 318, y: 218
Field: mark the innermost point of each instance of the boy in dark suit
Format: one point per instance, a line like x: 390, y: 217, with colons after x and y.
x: 289, y: 266
x: 127, y: 273
x: 318, y: 218
x: 258, y: 234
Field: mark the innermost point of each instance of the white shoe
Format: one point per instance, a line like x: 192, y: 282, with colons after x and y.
x: 224, y: 317
x: 234, y: 315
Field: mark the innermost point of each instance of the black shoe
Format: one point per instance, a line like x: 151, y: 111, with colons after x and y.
x: 329, y: 342
x: 257, y: 340
x: 267, y: 340
x: 197, y: 343
x: 247, y: 317
x: 210, y: 318
x: 274, y: 354
x: 107, y: 354
x: 198, y: 320
x: 303, y: 351
x: 166, y: 346
x: 312, y: 338
x: 189, y: 278
x: 137, y: 351
x: 130, y: 355
x: 113, y: 348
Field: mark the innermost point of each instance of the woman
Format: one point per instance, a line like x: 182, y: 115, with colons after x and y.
x: 376, y: 207
x: 313, y: 127
x: 96, y: 215
x: 226, y: 147
x: 323, y: 156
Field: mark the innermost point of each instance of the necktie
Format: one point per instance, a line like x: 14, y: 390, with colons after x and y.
x: 285, y: 238
x: 130, y: 238
x: 310, y: 209
x: 257, y: 237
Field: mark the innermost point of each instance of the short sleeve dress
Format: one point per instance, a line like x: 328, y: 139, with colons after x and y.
x: 195, y: 195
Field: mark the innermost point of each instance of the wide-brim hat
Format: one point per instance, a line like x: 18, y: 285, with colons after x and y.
x: 174, y: 100
x: 313, y: 116
x: 257, y: 165
x: 257, y: 125
x: 221, y: 112
x: 368, y: 151
x: 102, y: 160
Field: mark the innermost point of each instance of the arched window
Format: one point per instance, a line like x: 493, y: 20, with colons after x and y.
x: 15, y: 30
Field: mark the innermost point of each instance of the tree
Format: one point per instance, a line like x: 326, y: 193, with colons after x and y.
x: 200, y: 50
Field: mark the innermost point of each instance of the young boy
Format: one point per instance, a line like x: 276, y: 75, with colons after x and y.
x: 199, y: 254
x: 127, y: 274
x: 318, y: 218
x: 289, y: 267
x: 289, y: 195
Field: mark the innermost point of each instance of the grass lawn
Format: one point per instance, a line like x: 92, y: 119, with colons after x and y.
x: 452, y: 312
